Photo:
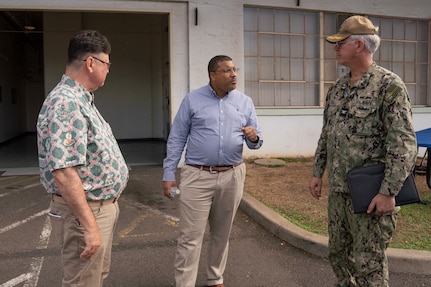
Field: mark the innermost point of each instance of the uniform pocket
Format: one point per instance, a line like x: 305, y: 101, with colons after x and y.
x: 366, y: 120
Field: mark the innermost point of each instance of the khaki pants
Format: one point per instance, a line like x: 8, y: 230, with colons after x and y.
x: 77, y: 271
x: 212, y: 197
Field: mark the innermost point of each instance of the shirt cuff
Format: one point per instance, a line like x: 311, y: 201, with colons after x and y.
x: 169, y: 176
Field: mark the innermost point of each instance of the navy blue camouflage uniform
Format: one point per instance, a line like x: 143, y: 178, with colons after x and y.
x: 364, y: 123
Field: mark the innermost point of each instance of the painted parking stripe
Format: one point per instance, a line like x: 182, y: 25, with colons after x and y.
x: 31, y: 278
x: 20, y: 189
x: 18, y: 223
x: 31, y: 183
x: 17, y: 280
x: 37, y: 262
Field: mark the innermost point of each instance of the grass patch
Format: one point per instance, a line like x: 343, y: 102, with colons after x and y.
x: 413, y: 229
x: 304, y: 221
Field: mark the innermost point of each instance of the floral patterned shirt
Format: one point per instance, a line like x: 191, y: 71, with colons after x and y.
x: 72, y: 133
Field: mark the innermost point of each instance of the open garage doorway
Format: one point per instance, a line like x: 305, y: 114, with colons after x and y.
x: 135, y: 99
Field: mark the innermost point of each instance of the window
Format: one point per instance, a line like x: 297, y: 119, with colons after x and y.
x: 404, y: 50
x: 281, y: 57
x: 283, y: 48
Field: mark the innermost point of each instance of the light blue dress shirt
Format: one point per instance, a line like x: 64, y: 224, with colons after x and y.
x: 211, y: 127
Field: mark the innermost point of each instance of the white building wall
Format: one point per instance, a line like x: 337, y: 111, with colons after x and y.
x: 287, y: 132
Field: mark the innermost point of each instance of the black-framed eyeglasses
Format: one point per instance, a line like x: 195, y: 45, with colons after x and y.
x: 100, y: 60
x: 229, y: 71
x: 338, y: 45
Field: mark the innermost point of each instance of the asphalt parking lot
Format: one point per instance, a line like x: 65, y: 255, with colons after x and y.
x: 145, y: 243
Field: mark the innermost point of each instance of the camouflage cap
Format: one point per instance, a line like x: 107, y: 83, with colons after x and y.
x: 354, y: 25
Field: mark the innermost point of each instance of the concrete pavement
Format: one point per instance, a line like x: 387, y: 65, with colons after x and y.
x: 145, y: 242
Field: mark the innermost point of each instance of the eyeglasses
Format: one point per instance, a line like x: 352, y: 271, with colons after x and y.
x: 229, y: 71
x: 338, y: 45
x: 100, y: 60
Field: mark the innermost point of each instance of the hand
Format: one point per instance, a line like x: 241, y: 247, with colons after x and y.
x: 250, y: 133
x: 315, y: 187
x: 382, y: 204
x: 167, y: 186
x: 70, y: 185
x: 92, y: 243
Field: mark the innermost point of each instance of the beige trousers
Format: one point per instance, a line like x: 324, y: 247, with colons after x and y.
x: 77, y: 271
x: 212, y: 197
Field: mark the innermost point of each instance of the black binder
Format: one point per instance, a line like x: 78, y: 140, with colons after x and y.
x: 364, y: 183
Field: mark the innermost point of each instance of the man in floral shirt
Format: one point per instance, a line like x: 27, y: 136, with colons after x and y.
x: 81, y: 165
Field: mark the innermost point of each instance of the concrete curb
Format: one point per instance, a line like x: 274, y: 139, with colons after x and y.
x: 400, y: 260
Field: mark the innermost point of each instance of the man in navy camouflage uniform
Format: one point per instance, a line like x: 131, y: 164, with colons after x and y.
x: 367, y: 120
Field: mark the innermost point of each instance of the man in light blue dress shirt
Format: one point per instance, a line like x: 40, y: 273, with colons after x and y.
x: 214, y: 121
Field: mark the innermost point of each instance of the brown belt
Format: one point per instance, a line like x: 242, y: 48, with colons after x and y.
x: 214, y: 169
x: 60, y: 199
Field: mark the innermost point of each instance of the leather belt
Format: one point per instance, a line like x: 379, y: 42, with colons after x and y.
x: 214, y: 169
x: 60, y: 199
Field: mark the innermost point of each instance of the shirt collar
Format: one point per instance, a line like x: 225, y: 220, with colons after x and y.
x: 215, y: 94
x: 86, y: 95
x: 365, y: 78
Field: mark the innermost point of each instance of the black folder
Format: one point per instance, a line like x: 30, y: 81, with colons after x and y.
x: 364, y: 183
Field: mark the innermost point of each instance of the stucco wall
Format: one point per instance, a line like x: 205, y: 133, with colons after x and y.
x: 219, y: 30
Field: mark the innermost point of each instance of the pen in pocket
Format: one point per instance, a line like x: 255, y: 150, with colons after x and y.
x: 54, y: 215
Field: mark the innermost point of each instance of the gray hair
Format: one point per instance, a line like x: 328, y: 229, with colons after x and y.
x: 372, y: 42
